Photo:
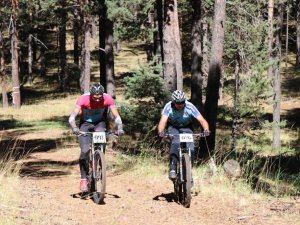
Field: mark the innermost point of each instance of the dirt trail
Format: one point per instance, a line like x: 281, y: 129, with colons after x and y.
x: 51, y: 196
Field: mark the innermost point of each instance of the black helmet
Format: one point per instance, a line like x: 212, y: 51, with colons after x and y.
x: 178, y: 96
x: 96, y: 89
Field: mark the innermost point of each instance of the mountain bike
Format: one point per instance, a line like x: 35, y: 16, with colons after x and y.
x: 183, y: 181
x: 97, y: 173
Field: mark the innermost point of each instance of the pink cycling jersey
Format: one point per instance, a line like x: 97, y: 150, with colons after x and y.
x: 94, y: 111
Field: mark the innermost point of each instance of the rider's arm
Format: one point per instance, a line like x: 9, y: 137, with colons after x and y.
x: 203, y: 122
x: 72, y: 118
x: 118, y: 120
x: 162, y: 123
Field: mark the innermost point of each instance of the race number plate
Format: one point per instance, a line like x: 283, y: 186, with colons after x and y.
x: 186, y: 138
x: 99, y: 137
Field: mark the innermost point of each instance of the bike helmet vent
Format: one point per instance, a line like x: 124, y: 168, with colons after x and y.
x: 97, y: 89
x: 178, y: 96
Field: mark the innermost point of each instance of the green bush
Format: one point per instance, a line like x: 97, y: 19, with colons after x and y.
x: 147, y: 94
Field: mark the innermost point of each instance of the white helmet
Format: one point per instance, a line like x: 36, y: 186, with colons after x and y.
x: 178, y: 96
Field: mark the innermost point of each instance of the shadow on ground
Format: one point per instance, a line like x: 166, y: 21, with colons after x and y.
x: 169, y: 197
x: 46, y: 168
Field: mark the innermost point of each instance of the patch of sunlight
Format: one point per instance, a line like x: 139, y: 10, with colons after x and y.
x: 218, y: 184
x: 9, y: 196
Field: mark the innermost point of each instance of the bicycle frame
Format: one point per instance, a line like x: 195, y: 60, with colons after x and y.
x: 183, y: 182
x: 97, y: 164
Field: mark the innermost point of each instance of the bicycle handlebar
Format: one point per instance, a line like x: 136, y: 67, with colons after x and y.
x: 194, y: 135
x: 84, y: 133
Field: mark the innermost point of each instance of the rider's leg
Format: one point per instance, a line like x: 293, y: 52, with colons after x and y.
x: 84, y: 142
x: 101, y: 126
x: 174, y: 147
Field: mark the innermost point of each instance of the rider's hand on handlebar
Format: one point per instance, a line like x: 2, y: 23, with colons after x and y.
x: 76, y: 131
x: 120, y: 132
x: 206, y: 132
x: 161, y: 134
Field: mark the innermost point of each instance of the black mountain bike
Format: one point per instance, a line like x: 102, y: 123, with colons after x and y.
x: 183, y: 181
x: 97, y: 172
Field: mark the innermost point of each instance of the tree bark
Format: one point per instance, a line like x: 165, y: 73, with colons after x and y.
x: 270, y: 36
x: 109, y: 59
x: 215, y: 70
x: 14, y: 58
x: 63, y: 79
x: 30, y: 58
x: 76, y: 34
x: 102, y: 31
x: 277, y: 80
x: 196, y: 57
x: 298, y: 34
x: 148, y: 46
x: 205, y: 49
x: 178, y: 50
x: 85, y: 53
x: 172, y: 47
x: 234, y: 129
x: 158, y: 31
x: 2, y: 69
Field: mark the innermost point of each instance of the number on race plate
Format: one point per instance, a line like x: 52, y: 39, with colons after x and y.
x: 186, y: 138
x: 99, y: 137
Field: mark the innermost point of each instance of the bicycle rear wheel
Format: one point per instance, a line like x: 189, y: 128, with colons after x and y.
x: 100, y: 178
x: 186, y: 170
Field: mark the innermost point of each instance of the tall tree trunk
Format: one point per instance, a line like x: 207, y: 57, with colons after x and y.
x: 63, y: 79
x: 196, y: 75
x: 76, y: 34
x: 178, y: 50
x: 149, y: 49
x: 42, y: 54
x: 109, y: 59
x: 14, y: 59
x: 102, y: 31
x: 287, y: 37
x: 205, y: 49
x: 85, y: 52
x: 158, y: 31
x: 298, y: 34
x: 2, y: 69
x: 172, y: 47
x: 270, y: 36
x: 277, y: 80
x: 235, y: 109
x: 215, y: 70
x: 30, y: 59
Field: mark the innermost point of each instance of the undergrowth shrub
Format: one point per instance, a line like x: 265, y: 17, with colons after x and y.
x: 146, y: 94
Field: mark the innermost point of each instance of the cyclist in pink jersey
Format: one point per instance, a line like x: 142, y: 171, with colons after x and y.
x: 92, y: 108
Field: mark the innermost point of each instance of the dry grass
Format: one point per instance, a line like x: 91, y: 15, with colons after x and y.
x: 9, y: 196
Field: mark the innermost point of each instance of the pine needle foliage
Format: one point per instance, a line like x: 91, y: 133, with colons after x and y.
x: 146, y: 93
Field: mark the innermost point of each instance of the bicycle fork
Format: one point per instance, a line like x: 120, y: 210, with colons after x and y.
x: 93, y: 159
x: 181, y: 180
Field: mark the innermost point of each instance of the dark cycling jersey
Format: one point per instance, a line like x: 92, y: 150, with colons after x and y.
x: 180, y: 118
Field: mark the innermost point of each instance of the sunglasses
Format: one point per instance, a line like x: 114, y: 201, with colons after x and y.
x: 179, y: 103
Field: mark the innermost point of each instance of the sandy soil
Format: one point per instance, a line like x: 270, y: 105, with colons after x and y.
x: 50, y: 188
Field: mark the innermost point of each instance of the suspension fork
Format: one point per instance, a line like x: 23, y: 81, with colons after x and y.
x: 180, y: 165
x: 190, y: 158
x: 93, y: 159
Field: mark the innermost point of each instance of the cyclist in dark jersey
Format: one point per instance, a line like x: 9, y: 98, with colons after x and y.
x: 93, y: 108
x: 177, y: 118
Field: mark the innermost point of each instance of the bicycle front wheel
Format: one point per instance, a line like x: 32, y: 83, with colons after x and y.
x: 100, y: 177
x: 187, y: 173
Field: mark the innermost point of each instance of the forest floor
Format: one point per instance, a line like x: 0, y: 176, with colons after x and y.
x: 49, y: 190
